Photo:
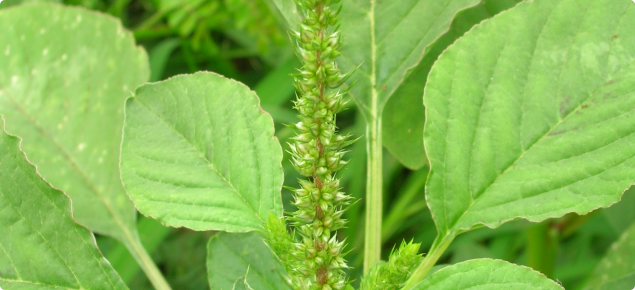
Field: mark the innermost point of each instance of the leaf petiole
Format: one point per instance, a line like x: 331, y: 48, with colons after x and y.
x: 438, y: 248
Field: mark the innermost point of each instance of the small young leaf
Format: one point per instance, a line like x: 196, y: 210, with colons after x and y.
x: 65, y: 74
x: 41, y: 246
x: 487, y: 274
x: 532, y: 115
x: 198, y: 152
x: 230, y: 256
x: 617, y: 270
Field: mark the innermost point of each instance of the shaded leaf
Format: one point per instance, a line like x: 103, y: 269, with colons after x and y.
x: 41, y: 247
x: 387, y: 38
x: 238, y: 260
x: 199, y: 153
x: 617, y: 270
x: 404, y: 114
x: 531, y: 115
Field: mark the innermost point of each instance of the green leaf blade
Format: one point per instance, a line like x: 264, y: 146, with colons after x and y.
x: 243, y: 260
x: 199, y: 153
x: 536, y: 123
x: 65, y: 75
x: 487, y: 274
x: 616, y: 271
x: 41, y: 246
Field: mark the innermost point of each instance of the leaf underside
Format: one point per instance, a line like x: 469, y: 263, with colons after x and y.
x: 231, y: 256
x: 64, y: 76
x: 41, y: 246
x: 532, y: 115
x: 199, y: 153
x: 486, y: 274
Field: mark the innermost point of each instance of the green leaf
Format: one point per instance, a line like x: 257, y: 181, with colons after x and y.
x: 9, y: 3
x: 621, y: 215
x: 41, y: 247
x: 231, y: 256
x: 65, y: 75
x: 289, y: 11
x: 531, y: 115
x: 404, y: 114
x: 159, y: 56
x: 617, y: 270
x: 487, y: 274
x: 385, y: 39
x: 198, y: 152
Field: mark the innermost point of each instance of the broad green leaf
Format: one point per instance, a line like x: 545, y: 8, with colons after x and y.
x: 198, y: 152
x: 64, y: 76
x: 531, y: 115
x: 617, y: 270
x: 41, y: 246
x: 486, y: 274
x: 243, y: 259
x: 404, y: 115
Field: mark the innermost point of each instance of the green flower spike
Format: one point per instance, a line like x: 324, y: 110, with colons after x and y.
x: 313, y: 258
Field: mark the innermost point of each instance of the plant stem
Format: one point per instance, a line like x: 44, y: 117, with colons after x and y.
x: 438, y: 248
x: 133, y: 243
x: 374, y: 176
x: 541, y: 248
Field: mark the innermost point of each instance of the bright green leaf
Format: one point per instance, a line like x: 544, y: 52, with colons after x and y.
x: 64, y: 76
x: 404, y: 114
x: 486, y: 274
x: 531, y: 115
x: 243, y: 259
x: 198, y: 152
x: 617, y: 270
x: 41, y: 247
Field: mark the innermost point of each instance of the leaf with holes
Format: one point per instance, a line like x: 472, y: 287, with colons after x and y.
x: 487, y: 274
x: 198, y: 152
x: 532, y: 115
x: 41, y: 247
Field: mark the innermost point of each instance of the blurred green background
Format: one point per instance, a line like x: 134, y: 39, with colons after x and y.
x: 247, y: 40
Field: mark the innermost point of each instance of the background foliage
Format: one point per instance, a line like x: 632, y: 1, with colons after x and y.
x: 246, y: 40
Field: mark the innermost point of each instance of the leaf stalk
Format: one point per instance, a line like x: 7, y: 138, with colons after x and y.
x: 438, y: 248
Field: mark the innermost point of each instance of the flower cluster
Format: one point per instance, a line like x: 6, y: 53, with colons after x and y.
x: 393, y: 274
x: 314, y: 260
